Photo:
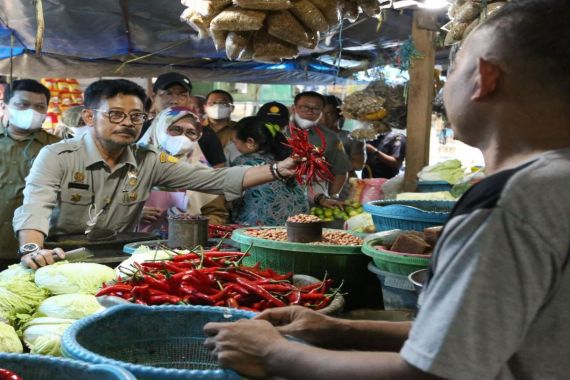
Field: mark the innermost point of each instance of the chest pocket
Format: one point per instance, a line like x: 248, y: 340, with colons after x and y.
x: 78, y: 197
x: 73, y: 211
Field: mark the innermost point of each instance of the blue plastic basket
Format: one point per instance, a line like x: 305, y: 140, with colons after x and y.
x: 408, y: 215
x: 431, y: 186
x: 158, y: 342
x: 38, y: 367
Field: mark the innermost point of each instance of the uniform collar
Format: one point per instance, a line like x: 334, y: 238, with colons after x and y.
x: 93, y: 155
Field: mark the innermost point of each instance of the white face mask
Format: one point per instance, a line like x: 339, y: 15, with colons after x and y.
x: 178, y: 145
x: 26, y: 119
x: 304, y: 123
x: 218, y: 112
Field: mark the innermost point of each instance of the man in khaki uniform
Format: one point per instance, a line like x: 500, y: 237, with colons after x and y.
x: 102, y: 180
x: 21, y: 138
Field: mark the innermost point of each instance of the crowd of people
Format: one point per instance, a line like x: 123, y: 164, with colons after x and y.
x: 109, y: 186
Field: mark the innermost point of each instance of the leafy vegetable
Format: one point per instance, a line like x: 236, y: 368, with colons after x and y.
x: 43, y: 335
x: 19, y: 296
x: 17, y: 272
x: 70, y: 306
x: 448, y: 171
x: 68, y: 278
x: 9, y: 341
x: 431, y: 196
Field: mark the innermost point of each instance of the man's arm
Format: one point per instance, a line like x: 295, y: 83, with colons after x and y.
x: 337, y: 183
x: 386, y: 159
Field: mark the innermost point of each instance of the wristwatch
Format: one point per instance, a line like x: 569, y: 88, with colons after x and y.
x: 28, y: 248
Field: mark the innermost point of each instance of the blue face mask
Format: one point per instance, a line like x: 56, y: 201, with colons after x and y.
x: 26, y: 119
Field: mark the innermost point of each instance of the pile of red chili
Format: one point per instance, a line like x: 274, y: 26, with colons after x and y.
x: 314, y: 168
x: 219, y: 231
x: 216, y: 278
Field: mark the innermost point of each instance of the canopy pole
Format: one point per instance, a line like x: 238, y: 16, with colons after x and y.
x: 420, y: 99
x: 41, y: 27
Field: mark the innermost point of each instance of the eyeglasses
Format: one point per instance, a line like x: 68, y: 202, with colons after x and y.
x: 307, y: 109
x: 117, y: 117
x: 192, y: 134
x: 172, y: 94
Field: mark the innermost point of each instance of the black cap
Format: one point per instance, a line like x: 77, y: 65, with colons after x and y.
x: 166, y: 80
x: 275, y: 113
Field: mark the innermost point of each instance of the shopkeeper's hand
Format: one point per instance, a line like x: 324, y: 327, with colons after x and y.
x: 42, y: 258
x: 303, y: 323
x: 244, y: 345
x: 150, y: 214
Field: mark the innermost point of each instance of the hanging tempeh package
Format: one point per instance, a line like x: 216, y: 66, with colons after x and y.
x: 468, y: 12
x: 370, y: 7
x: 264, y: 5
x: 219, y: 37
x: 237, y: 43
x: 330, y: 9
x: 286, y: 27
x: 270, y: 49
x: 207, y: 7
x: 310, y: 15
x: 238, y: 20
x: 349, y: 10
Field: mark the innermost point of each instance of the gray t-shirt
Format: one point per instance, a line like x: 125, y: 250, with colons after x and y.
x: 497, y: 306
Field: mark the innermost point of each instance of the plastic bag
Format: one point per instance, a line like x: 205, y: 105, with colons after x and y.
x: 372, y: 190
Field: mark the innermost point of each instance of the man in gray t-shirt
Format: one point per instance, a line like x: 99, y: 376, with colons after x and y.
x: 496, y: 304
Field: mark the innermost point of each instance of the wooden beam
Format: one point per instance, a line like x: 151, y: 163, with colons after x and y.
x: 420, y: 98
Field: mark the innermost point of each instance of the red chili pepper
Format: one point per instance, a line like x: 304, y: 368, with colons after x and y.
x: 164, y: 298
x: 294, y: 297
x: 154, y: 283
x: 232, y: 302
x: 8, y: 375
x: 260, y: 292
x: 276, y: 287
x: 312, y: 296
x: 123, y: 288
x: 142, y: 293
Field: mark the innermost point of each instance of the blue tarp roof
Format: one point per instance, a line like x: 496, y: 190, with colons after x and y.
x: 87, y: 38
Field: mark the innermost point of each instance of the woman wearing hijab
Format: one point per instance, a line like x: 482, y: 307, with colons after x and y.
x: 176, y: 131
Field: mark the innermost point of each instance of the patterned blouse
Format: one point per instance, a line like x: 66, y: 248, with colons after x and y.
x: 269, y: 204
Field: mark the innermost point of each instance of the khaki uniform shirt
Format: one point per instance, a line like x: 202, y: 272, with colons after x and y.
x: 16, y: 159
x: 70, y: 179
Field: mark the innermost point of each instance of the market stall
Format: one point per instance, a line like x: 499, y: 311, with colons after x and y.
x: 283, y: 42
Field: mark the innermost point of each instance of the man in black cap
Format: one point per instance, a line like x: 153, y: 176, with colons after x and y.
x: 175, y: 90
x: 274, y: 113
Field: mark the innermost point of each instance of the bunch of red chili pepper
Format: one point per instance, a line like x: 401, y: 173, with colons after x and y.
x: 216, y: 278
x: 219, y: 231
x: 314, y: 168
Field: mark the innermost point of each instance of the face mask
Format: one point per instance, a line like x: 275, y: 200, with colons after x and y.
x: 304, y: 123
x: 26, y: 119
x: 218, y: 112
x: 178, y: 145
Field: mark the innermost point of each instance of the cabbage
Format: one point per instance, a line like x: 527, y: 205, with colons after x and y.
x: 360, y: 223
x: 43, y: 335
x: 69, y: 306
x: 9, y: 341
x: 19, y: 296
x: 140, y: 255
x: 432, y: 196
x: 67, y: 278
x: 448, y: 171
x: 17, y: 272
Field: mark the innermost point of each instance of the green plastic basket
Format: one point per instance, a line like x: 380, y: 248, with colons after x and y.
x: 394, y: 262
x: 340, y: 262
